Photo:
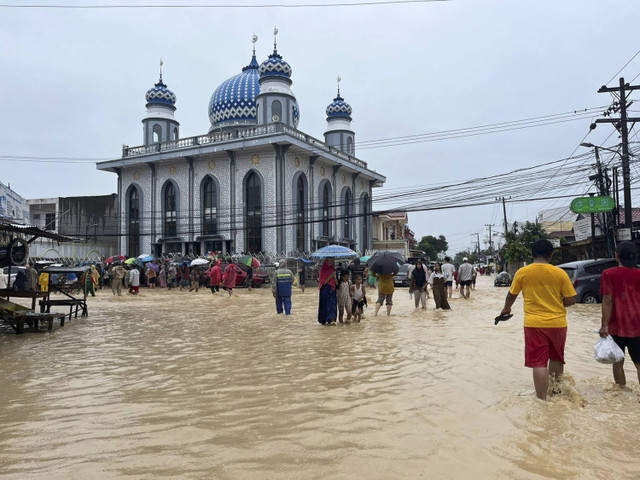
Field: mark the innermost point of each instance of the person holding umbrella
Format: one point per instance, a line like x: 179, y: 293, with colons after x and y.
x: 384, y: 266
x: 195, y: 279
x: 152, y: 268
x: 328, y: 304
x: 385, y: 291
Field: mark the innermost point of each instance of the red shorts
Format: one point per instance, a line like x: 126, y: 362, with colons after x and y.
x: 542, y: 345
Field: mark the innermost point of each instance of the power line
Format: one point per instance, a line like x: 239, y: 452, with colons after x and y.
x: 498, y: 127
x: 623, y: 67
x: 221, y: 6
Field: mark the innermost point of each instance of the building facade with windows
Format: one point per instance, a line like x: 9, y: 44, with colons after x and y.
x: 253, y: 183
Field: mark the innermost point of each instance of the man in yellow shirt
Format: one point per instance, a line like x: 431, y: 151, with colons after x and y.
x: 547, y: 291
x: 385, y: 291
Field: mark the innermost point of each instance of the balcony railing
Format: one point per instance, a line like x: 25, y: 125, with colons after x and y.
x: 239, y: 134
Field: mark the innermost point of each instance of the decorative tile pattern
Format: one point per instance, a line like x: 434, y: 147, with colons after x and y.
x: 235, y: 99
x: 160, y: 94
x: 339, y: 108
x: 275, y: 66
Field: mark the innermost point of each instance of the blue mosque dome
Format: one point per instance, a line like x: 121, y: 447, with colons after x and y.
x: 234, y: 101
x: 275, y: 66
x: 339, y: 108
x: 161, y: 95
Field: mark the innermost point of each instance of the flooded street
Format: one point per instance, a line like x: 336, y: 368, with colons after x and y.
x: 195, y: 386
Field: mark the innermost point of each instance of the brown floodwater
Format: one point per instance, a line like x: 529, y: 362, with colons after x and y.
x: 177, y: 385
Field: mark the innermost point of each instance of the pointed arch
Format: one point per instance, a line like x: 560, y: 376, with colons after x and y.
x: 157, y: 133
x: 170, y: 195
x: 325, y: 205
x: 253, y: 190
x: 300, y: 189
x: 347, y: 211
x: 209, y: 205
x: 133, y: 199
x: 365, y: 221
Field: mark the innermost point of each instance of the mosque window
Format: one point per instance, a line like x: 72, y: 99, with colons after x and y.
x: 253, y: 213
x: 175, y: 134
x: 301, y: 206
x: 157, y: 133
x: 346, y: 221
x: 326, y: 210
x: 133, y: 214
x: 170, y: 211
x: 276, y: 111
x: 365, y: 221
x: 350, y: 145
x: 209, y: 207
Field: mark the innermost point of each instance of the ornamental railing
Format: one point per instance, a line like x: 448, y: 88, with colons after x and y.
x: 239, y: 134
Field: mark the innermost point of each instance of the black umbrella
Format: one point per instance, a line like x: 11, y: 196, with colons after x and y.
x: 385, y: 262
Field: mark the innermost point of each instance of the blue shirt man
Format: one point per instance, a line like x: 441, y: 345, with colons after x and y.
x: 281, y: 288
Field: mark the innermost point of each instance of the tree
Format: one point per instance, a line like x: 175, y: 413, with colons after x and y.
x: 460, y: 255
x: 518, y: 244
x: 432, y: 246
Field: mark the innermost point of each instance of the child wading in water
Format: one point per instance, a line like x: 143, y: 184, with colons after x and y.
x: 344, y: 296
x: 359, y: 296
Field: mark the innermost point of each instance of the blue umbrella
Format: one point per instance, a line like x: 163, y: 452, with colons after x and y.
x: 333, y: 251
x: 304, y: 260
x: 147, y: 259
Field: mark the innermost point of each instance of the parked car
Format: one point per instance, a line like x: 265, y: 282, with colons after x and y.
x: 503, y: 279
x: 585, y: 275
x: 14, y: 271
x: 402, y: 278
x: 259, y: 277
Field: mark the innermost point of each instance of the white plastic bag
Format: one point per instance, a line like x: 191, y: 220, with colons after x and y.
x: 606, y: 350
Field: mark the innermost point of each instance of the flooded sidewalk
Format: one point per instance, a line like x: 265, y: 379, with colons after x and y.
x: 177, y: 385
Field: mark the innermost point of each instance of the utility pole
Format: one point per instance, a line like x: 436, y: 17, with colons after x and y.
x: 477, y: 235
x: 621, y: 125
x: 504, y: 212
x: 490, y: 238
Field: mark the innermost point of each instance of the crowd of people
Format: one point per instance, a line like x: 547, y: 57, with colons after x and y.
x: 343, y: 291
x: 343, y: 288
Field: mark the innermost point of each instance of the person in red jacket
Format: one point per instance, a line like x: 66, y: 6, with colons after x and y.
x: 215, y: 277
x: 229, y: 278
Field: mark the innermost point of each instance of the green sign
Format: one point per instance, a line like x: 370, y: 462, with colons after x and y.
x: 592, y: 204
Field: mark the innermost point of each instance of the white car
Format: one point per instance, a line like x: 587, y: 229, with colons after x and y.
x: 14, y: 272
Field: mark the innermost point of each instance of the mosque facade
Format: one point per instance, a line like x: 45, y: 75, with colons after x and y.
x: 253, y: 183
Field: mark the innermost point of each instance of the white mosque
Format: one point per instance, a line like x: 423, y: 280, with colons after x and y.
x: 253, y: 183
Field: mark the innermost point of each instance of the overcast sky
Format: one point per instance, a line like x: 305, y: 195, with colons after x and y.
x: 73, y: 84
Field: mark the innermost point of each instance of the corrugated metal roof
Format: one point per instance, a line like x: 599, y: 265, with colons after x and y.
x: 29, y: 230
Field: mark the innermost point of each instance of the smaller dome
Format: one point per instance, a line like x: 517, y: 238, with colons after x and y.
x: 161, y: 95
x: 339, y: 108
x: 275, y: 66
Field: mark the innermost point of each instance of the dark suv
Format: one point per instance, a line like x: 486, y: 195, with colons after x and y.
x: 585, y: 275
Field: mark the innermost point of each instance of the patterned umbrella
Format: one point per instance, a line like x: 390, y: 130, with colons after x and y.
x: 249, y: 261
x: 333, y: 251
x: 116, y: 258
x: 133, y: 260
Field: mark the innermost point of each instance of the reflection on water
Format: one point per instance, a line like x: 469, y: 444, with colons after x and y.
x: 195, y: 386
